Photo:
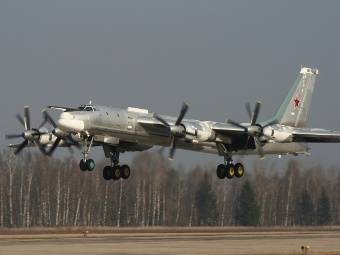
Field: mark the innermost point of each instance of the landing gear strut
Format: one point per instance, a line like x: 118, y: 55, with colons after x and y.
x: 86, y: 163
x: 115, y: 171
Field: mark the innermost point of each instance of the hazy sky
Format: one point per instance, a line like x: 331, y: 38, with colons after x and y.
x: 217, y: 55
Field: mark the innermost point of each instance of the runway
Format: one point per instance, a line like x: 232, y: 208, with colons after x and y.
x: 263, y: 242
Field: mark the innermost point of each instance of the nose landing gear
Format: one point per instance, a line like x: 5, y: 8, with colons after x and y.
x: 87, y: 164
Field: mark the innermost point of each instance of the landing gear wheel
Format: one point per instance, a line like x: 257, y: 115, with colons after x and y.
x: 221, y: 171
x: 125, y: 171
x: 239, y: 170
x: 82, y: 165
x: 107, y: 173
x: 116, y: 174
x: 90, y: 164
x: 230, y: 170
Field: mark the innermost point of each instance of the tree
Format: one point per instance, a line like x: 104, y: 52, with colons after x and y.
x: 247, y: 212
x: 304, y: 212
x: 323, y: 211
x: 206, y: 203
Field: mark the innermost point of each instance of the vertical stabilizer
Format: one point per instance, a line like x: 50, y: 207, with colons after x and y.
x: 294, y: 110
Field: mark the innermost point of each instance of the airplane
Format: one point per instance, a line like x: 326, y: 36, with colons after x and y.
x: 134, y: 129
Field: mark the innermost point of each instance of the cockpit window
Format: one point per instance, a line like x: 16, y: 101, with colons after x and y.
x: 88, y: 108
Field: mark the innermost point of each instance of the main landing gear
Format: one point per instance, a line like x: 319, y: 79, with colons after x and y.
x: 115, y: 171
x: 229, y: 170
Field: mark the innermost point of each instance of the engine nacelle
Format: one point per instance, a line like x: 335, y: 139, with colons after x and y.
x: 199, y: 132
x: 45, y: 139
x: 278, y: 135
x: 59, y: 133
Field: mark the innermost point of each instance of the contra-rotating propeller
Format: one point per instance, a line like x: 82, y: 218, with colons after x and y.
x: 29, y: 134
x: 175, y: 131
x: 56, y: 132
x: 254, y: 129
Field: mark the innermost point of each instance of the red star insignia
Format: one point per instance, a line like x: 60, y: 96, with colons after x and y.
x: 297, y: 102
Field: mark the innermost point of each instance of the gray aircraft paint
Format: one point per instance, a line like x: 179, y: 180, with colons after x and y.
x: 135, y: 129
x: 295, y: 109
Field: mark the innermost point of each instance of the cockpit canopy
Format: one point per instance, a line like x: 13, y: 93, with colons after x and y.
x: 87, y: 108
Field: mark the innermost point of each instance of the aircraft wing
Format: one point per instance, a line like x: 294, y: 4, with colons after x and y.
x: 227, y: 129
x: 12, y: 145
x: 148, y: 121
x: 316, y: 136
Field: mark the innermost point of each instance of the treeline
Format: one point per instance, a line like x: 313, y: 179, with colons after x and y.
x: 39, y: 191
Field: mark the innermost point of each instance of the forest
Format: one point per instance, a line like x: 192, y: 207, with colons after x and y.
x: 37, y: 190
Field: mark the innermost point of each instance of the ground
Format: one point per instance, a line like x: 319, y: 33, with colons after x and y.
x: 170, y: 241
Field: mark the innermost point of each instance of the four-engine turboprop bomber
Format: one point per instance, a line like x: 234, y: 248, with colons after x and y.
x: 134, y: 129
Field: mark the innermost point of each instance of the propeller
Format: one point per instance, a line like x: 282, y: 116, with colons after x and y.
x: 254, y: 129
x: 29, y: 134
x: 68, y: 138
x: 175, y: 131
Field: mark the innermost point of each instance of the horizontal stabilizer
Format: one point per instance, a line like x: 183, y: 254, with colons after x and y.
x: 316, y: 136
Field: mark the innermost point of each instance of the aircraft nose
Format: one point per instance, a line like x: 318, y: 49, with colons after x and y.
x: 66, y: 116
x: 70, y: 122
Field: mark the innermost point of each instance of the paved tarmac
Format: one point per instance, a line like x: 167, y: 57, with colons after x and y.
x: 320, y: 242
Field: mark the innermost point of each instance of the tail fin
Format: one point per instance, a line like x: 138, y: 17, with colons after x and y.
x: 294, y: 110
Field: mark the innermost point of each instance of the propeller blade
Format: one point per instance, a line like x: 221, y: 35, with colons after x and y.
x: 12, y: 136
x: 42, y: 123
x: 21, y: 146
x: 235, y: 123
x: 247, y: 142
x: 181, y: 115
x: 172, y: 148
x: 20, y: 119
x: 248, y: 108
x: 259, y: 147
x: 256, y: 113
x: 49, y: 119
x: 54, y: 146
x: 27, y: 118
x: 160, y: 119
x: 41, y: 147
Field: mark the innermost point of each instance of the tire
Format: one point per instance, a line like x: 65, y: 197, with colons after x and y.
x: 230, y: 171
x: 82, y: 165
x: 116, y: 174
x: 125, y: 171
x: 107, y: 173
x: 221, y: 171
x: 90, y: 164
x: 239, y: 170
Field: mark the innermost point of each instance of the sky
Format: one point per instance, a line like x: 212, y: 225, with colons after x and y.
x: 216, y: 55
